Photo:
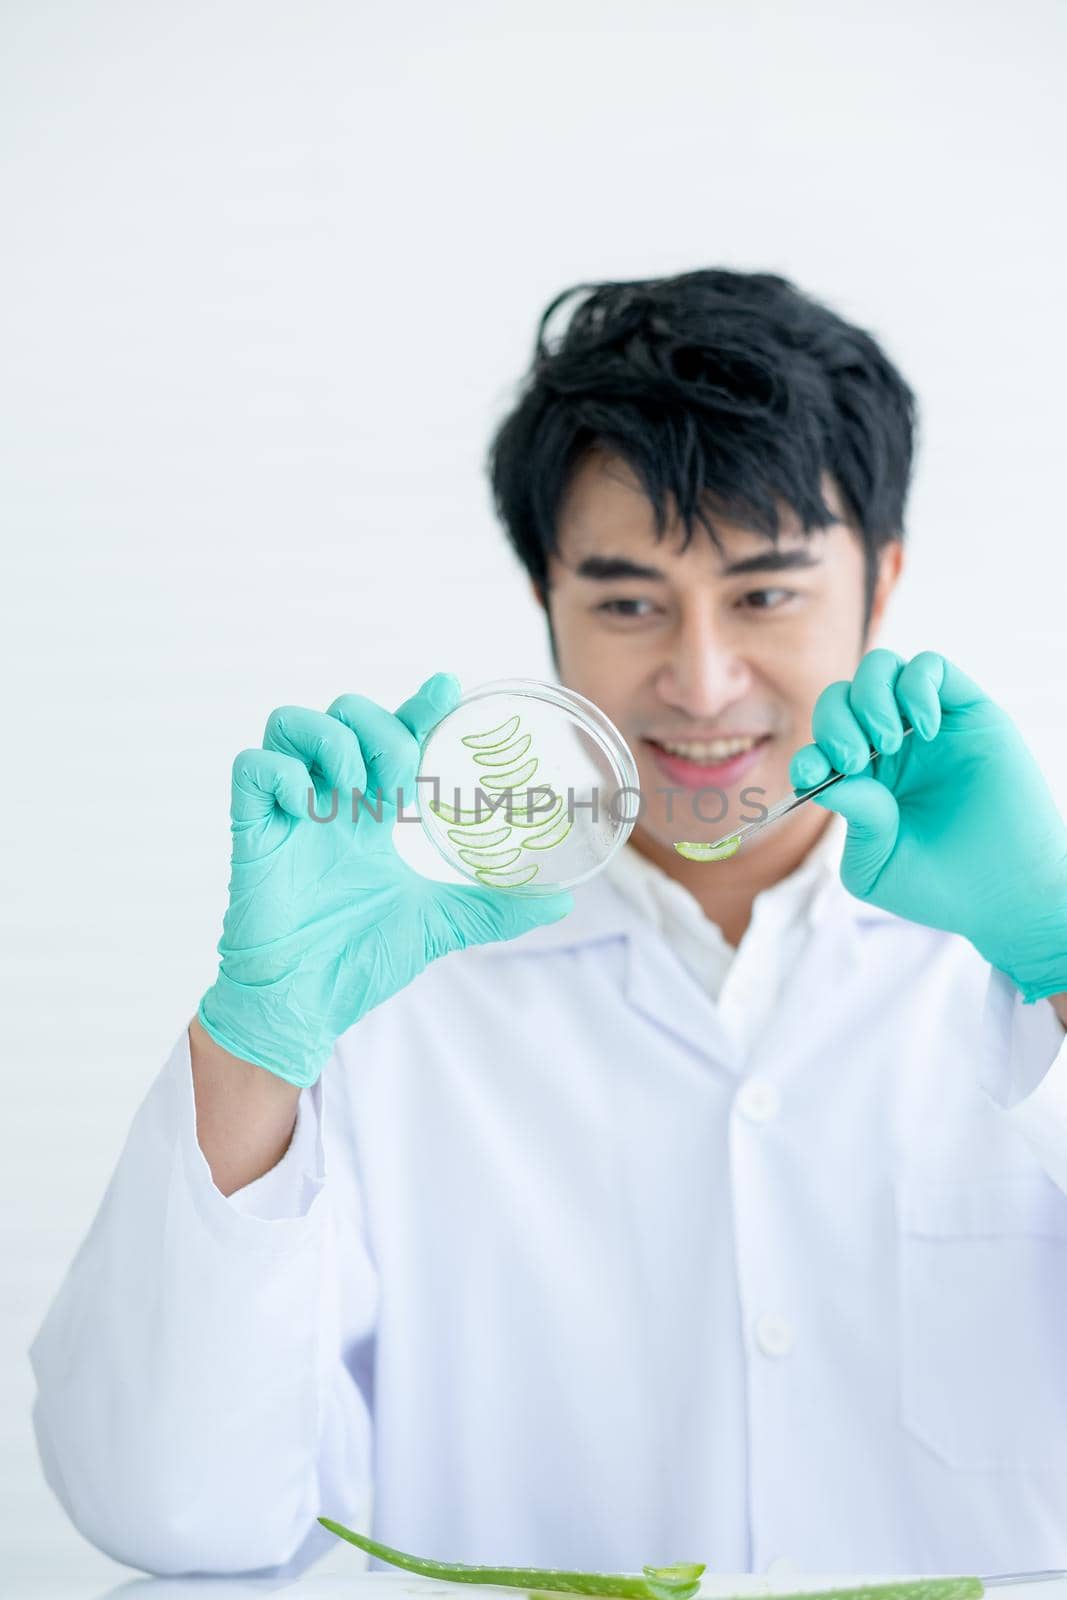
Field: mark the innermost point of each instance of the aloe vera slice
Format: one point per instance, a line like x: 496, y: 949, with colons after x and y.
x: 467, y: 819
x: 493, y: 813
x: 506, y: 754
x: 500, y: 752
x: 658, y: 1583
x: 550, y: 837
x: 454, y: 814
x: 506, y: 880
x: 693, y: 851
x: 494, y: 860
x: 535, y: 819
x: 486, y: 840
x: 513, y: 779
x: 495, y: 736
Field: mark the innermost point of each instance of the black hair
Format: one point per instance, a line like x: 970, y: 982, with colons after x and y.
x: 729, y: 390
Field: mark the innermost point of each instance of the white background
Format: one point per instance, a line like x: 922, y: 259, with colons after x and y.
x: 270, y: 274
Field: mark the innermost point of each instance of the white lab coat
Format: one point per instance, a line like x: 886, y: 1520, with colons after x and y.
x: 582, y: 1262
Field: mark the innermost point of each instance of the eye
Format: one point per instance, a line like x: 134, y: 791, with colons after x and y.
x: 762, y: 603
x: 611, y: 608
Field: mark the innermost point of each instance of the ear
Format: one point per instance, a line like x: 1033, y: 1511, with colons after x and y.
x: 890, y: 566
x: 538, y: 593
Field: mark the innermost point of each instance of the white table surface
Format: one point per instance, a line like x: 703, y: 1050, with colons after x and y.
x: 362, y: 1585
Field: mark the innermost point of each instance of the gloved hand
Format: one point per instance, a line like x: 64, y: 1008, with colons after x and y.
x: 325, y: 920
x: 955, y: 827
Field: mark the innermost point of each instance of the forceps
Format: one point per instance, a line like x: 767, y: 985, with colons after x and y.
x: 731, y: 843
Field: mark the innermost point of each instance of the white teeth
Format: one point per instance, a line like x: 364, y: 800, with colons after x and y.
x: 710, y: 750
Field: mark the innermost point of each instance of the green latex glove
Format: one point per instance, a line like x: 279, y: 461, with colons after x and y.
x: 955, y: 827
x: 325, y: 920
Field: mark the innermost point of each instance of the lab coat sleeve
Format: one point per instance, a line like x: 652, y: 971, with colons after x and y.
x: 197, y: 1401
x: 1024, y: 1071
x: 289, y: 1187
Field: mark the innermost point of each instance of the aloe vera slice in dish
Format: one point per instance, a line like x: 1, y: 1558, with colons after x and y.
x: 493, y: 860
x: 507, y: 753
x: 657, y: 1583
x: 510, y: 780
x: 494, y: 737
x: 506, y: 880
x: 523, y: 816
x: 487, y: 813
x: 506, y: 811
x: 455, y: 814
x: 499, y: 752
x: 549, y: 837
x: 483, y: 841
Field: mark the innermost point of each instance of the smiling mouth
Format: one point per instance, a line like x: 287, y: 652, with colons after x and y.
x: 709, y: 752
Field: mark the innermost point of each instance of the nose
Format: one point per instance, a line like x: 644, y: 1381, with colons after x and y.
x: 703, y: 673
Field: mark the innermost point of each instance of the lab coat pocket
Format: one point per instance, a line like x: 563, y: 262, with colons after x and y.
x: 983, y: 1319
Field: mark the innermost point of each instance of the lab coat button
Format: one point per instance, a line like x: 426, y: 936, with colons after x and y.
x: 758, y: 1100
x: 774, y: 1336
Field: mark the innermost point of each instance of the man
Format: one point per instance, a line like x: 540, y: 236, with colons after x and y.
x: 713, y: 1212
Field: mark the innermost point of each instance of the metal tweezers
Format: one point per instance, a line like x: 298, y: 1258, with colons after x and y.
x: 782, y: 809
x: 1021, y: 1577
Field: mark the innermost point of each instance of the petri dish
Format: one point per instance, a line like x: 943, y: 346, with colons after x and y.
x: 527, y: 787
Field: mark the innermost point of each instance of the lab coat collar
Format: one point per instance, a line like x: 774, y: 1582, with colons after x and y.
x: 603, y: 911
x: 658, y: 986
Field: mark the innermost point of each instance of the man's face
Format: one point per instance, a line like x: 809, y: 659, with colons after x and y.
x: 699, y: 649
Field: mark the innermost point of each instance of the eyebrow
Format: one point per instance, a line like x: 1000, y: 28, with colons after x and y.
x: 607, y: 569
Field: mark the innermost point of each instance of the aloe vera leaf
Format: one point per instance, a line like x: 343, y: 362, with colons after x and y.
x: 693, y: 851
x: 506, y: 754
x: 495, y: 736
x: 472, y: 837
x: 506, y: 880
x: 510, y: 780
x: 494, y: 860
x: 550, y: 837
x: 553, y: 1579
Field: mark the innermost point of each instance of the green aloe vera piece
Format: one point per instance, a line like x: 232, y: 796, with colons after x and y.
x: 549, y: 837
x: 492, y: 860
x: 489, y: 812
x: 487, y: 844
x: 494, y: 814
x: 510, y: 780
x: 455, y: 814
x: 693, y: 851
x: 657, y: 1583
x: 494, y: 738
x: 506, y: 880
x: 506, y: 754
x: 534, y: 819
x: 481, y: 841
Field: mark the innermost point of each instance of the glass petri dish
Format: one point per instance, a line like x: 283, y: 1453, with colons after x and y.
x: 527, y: 787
